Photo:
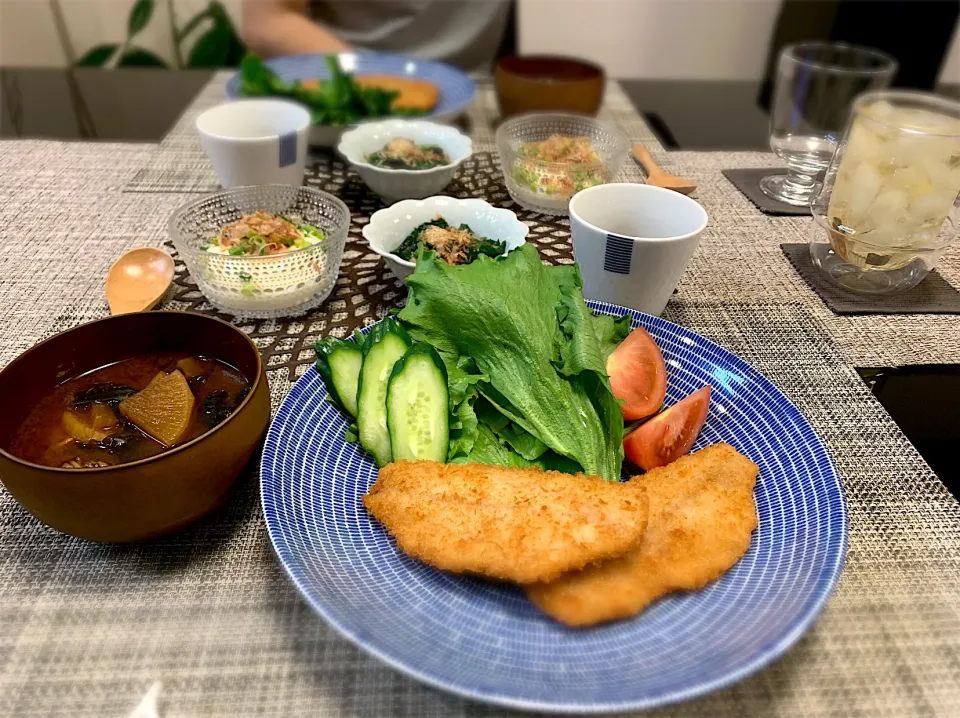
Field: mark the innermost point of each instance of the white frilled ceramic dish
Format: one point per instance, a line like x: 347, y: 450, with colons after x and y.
x: 396, y: 184
x: 389, y: 227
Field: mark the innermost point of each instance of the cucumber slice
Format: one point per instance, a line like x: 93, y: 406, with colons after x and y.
x: 382, y: 348
x: 338, y: 362
x: 418, y: 413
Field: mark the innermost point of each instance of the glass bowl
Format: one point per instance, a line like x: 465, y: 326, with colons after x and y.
x: 547, y: 187
x: 278, y: 285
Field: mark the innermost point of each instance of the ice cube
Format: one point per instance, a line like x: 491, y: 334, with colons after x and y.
x: 861, y: 191
x: 911, y: 180
x: 864, y: 144
x: 881, y: 111
x: 931, y: 207
x: 889, y: 208
x: 944, y: 173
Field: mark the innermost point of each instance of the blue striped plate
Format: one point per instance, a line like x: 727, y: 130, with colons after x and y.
x: 486, y: 641
x: 456, y: 87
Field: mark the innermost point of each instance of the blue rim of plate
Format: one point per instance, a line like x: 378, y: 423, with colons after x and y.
x: 730, y: 372
x: 455, y: 86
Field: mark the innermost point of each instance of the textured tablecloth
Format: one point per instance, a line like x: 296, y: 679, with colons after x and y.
x: 86, y: 628
x: 180, y: 165
x: 739, y: 255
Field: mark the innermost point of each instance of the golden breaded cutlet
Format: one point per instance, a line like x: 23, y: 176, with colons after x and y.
x: 701, y: 519
x: 413, y: 94
x: 513, y: 524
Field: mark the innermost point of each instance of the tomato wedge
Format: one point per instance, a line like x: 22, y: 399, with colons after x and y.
x: 638, y: 375
x: 670, y: 434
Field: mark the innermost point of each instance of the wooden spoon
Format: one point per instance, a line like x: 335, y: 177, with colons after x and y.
x: 657, y: 177
x: 138, y: 280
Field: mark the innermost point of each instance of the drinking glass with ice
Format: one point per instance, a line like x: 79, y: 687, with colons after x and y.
x: 889, y: 204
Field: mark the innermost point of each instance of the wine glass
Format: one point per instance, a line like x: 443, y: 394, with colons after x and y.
x: 816, y: 83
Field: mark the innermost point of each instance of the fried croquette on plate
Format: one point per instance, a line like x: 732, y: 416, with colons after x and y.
x: 702, y: 516
x: 513, y: 524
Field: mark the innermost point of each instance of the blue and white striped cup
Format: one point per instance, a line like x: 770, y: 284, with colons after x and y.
x: 256, y: 141
x: 633, y: 241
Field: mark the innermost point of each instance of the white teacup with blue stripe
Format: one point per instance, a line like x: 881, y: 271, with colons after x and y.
x: 633, y: 241
x: 256, y: 141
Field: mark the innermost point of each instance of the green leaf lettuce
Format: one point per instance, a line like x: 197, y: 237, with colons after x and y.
x: 526, y: 362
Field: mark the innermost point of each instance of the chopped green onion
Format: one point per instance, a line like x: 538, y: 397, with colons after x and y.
x: 236, y: 251
x: 245, y: 277
x: 311, y: 231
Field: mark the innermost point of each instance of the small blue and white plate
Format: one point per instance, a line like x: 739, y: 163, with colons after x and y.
x: 486, y: 641
x: 455, y: 86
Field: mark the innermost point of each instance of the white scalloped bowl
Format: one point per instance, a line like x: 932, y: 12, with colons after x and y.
x: 389, y: 227
x: 396, y: 184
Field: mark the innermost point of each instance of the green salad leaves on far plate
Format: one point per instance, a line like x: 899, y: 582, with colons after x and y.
x: 334, y: 101
x: 525, y: 361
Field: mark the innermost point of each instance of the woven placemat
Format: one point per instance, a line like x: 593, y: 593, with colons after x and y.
x: 85, y: 629
x: 934, y: 295
x: 748, y: 182
x: 180, y: 165
x: 739, y: 255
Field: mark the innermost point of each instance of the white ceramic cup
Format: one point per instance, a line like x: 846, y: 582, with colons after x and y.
x: 633, y: 241
x: 256, y: 141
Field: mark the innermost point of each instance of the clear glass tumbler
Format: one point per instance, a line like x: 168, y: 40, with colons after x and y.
x: 890, y: 200
x: 816, y: 83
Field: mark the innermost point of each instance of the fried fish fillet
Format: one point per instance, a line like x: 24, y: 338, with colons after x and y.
x: 414, y: 94
x: 701, y: 518
x: 521, y: 525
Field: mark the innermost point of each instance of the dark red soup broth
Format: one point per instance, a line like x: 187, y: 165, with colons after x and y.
x: 97, y: 433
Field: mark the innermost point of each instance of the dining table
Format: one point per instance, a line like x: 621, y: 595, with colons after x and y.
x: 87, y: 628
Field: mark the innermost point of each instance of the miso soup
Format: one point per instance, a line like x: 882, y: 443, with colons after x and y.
x: 130, y: 410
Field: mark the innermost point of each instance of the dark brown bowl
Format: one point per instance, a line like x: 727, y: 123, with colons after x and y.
x: 543, y: 82
x: 152, y: 496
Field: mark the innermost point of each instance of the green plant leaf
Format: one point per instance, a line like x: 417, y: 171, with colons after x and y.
x: 211, y: 49
x: 217, y: 10
x: 237, y: 51
x: 220, y: 46
x: 138, y: 57
x: 191, y: 25
x: 140, y: 15
x: 97, y: 56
